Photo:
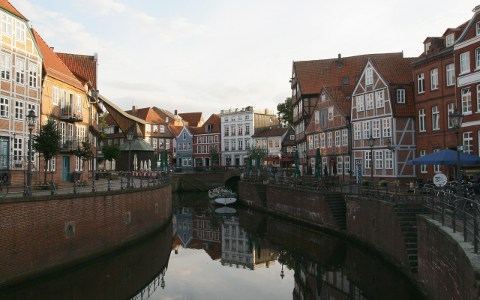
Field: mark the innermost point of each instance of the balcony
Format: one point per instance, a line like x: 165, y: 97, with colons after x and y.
x: 71, y: 113
x: 69, y: 145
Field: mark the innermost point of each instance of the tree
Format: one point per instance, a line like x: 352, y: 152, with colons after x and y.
x: 111, y: 152
x: 215, y: 156
x: 47, y: 142
x: 85, y: 152
x: 285, y: 112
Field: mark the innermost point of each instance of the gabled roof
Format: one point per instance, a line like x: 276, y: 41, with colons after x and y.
x: 314, y: 74
x: 214, y: 120
x: 395, y: 69
x: 175, y: 130
x: 83, y: 66
x: 11, y: 9
x: 148, y: 114
x: 194, y: 118
x: 271, y: 132
x: 53, y: 65
x: 172, y: 119
x: 340, y: 95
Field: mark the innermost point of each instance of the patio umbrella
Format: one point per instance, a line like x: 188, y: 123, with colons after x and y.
x: 318, y: 164
x: 445, y: 157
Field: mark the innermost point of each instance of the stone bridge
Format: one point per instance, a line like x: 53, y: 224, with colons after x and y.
x: 203, y: 181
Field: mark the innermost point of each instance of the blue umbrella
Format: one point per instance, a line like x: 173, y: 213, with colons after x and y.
x: 445, y: 157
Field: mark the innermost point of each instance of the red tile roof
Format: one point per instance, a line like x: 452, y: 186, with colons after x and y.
x: 175, y: 130
x: 148, y: 114
x: 394, y: 69
x: 341, y: 96
x: 194, y: 118
x: 83, y: 66
x: 53, y: 65
x: 314, y: 74
x: 271, y: 132
x: 10, y: 8
x: 214, y: 120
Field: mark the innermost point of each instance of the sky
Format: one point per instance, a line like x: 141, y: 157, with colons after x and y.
x: 210, y: 55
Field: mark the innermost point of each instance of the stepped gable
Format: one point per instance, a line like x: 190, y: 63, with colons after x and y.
x: 11, y: 9
x: 313, y: 75
x: 83, y: 66
x: 53, y: 65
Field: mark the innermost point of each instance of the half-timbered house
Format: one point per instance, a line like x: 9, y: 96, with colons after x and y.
x: 382, y: 116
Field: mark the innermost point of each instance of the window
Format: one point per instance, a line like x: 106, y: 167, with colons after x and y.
x: 55, y: 95
x: 421, y: 120
x: 240, y: 130
x: 449, y: 39
x: 51, y: 165
x: 240, y: 144
x: 247, y: 144
x: 20, y: 71
x: 247, y: 129
x: 227, y: 143
x: 465, y: 62
x: 234, y: 145
x: 376, y: 128
x: 233, y: 130
x: 148, y: 128
x: 400, y: 95
x: 322, y: 140
x: 427, y: 47
x: 226, y: 130
x: 329, y: 139
x: 4, y: 107
x: 367, y: 160
x: 330, y: 113
x: 32, y: 75
x: 369, y: 101
x: 315, y: 142
x: 450, y: 109
x: 6, y: 24
x: 421, y: 83
x: 423, y: 168
x: 17, y: 150
x: 340, y: 165
x: 345, y: 137
x: 357, y: 134
x: 359, y: 102
x: 5, y: 66
x: 317, y: 117
x: 162, y: 129
x: 346, y: 164
x: 337, y: 138
x: 18, y: 110
x: 380, y: 98
x: 435, y: 118
x: 387, y: 131
x: 155, y: 128
x: 366, y: 130
x: 468, y: 142
x: 466, y: 101
x: 379, y: 160
x: 368, y: 76
x: 478, y: 28
x: 477, y: 58
x: 388, y: 159
x: 450, y: 74
x: 19, y: 31
x: 434, y: 79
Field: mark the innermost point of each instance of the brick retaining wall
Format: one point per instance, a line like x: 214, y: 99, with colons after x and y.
x: 41, y: 234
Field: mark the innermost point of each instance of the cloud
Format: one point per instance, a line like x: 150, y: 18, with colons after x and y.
x: 103, y: 7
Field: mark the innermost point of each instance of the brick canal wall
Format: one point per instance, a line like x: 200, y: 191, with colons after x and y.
x: 43, y: 234
x: 442, y: 265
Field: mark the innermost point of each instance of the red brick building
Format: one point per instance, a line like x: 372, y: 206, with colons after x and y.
x: 206, y: 142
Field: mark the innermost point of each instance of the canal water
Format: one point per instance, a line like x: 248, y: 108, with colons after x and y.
x: 211, y: 253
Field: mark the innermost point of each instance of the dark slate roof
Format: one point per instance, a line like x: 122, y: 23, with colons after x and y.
x: 136, y: 145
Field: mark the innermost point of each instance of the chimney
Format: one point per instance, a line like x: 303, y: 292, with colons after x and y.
x: 176, y: 112
x: 340, y: 61
x: 134, y: 109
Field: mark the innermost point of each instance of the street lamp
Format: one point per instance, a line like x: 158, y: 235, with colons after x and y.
x: 129, y: 138
x: 31, y: 120
x: 457, y: 117
x: 282, y: 274
x: 371, y: 142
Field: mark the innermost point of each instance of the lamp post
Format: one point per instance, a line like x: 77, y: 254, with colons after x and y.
x: 129, y: 138
x: 457, y: 117
x: 31, y: 120
x: 371, y: 142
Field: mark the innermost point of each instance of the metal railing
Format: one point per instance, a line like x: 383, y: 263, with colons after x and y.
x: 111, y: 182
x: 459, y: 213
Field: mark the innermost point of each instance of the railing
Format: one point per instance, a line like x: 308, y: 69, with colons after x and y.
x: 459, y: 213
x: 113, y: 181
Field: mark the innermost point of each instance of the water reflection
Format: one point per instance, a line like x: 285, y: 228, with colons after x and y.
x: 319, y: 265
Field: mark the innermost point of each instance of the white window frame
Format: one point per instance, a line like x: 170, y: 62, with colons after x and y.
x: 378, y: 160
x: 436, y: 168
x: 388, y: 159
x: 20, y: 31
x: 464, y: 62
x: 376, y: 128
x: 369, y: 76
x: 19, y: 110
x: 330, y: 113
x: 7, y: 24
x: 466, y: 97
x: 421, y: 83
x: 360, y: 103
x: 467, y: 142
x: 344, y: 137
x: 423, y: 168
x: 4, y: 107
x: 322, y: 140
x: 421, y: 120
x: 477, y: 58
x: 367, y: 159
x: 339, y: 165
x: 400, y: 95
x: 435, y: 118
x: 338, y: 141
x: 5, y: 66
x: 366, y: 130
x: 369, y: 101
x: 329, y: 139
x: 450, y: 74
x: 449, y: 40
x: 20, y: 71
x: 380, y: 98
x: 357, y: 133
x: 434, y: 79
x: 450, y: 110
x: 386, y: 127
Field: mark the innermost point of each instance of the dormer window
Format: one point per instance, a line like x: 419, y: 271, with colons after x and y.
x: 449, y: 40
x: 427, y: 47
x: 478, y: 28
x: 369, y: 76
x: 346, y: 80
x: 323, y: 98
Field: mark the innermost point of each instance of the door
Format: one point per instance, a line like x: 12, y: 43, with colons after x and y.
x: 66, y: 168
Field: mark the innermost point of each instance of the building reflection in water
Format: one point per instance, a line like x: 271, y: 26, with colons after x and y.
x: 324, y: 266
